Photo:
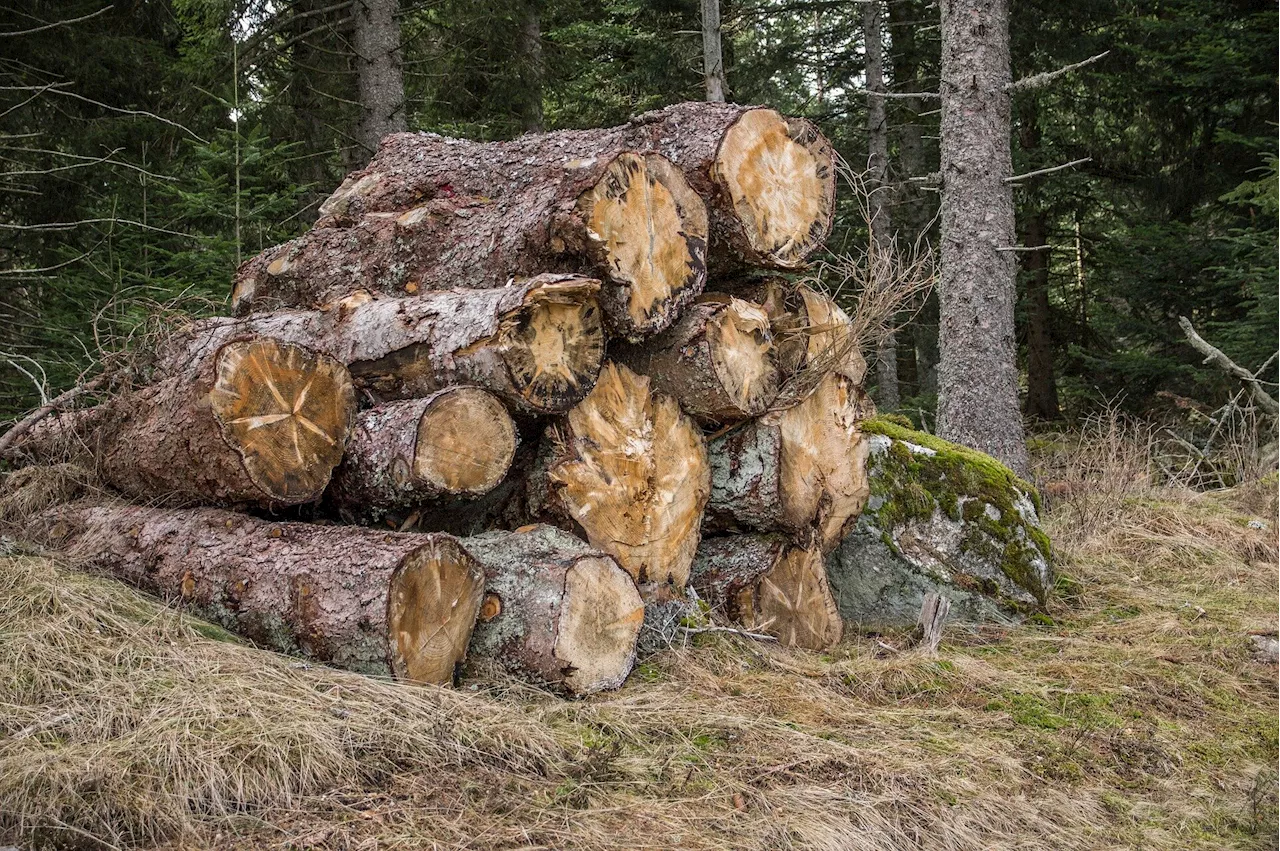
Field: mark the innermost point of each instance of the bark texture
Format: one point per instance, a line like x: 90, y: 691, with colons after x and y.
x: 432, y: 213
x: 533, y: 68
x: 250, y: 421
x: 379, y: 77
x: 556, y: 612
x: 629, y: 470
x: 887, y: 391
x: 536, y: 343
x: 716, y: 360
x: 457, y: 442
x: 374, y: 602
x: 801, y: 470
x: 978, y: 373
x: 712, y: 56
x: 766, y: 584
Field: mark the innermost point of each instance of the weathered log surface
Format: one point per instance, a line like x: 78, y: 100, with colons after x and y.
x: 768, y: 181
x: 369, y: 601
x: 630, y: 470
x: 768, y: 585
x: 716, y: 360
x: 801, y: 470
x: 456, y: 442
x: 537, y: 343
x: 810, y: 330
x: 252, y: 421
x: 555, y: 611
x: 433, y: 213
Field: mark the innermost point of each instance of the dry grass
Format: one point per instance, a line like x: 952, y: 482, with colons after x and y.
x: 1135, y: 718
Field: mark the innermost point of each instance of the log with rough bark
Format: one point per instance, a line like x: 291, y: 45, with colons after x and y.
x: 251, y: 421
x: 716, y: 360
x: 629, y: 470
x: 537, y: 343
x: 810, y: 331
x: 769, y: 585
x: 456, y: 442
x: 369, y: 601
x: 555, y: 611
x: 768, y: 180
x: 440, y: 214
x: 801, y: 470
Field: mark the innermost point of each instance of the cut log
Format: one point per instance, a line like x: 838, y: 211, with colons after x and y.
x: 368, y: 601
x: 768, y: 585
x: 536, y: 343
x: 768, y: 181
x: 442, y: 214
x: 810, y: 331
x: 457, y: 442
x: 252, y: 421
x: 630, y: 471
x: 556, y: 612
x: 801, y: 470
x: 716, y: 360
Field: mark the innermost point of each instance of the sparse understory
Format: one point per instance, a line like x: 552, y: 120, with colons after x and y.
x: 1134, y: 715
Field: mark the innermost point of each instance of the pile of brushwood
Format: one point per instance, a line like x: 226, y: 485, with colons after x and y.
x: 517, y: 401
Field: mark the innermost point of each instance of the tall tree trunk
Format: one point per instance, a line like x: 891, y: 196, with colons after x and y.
x: 1042, y: 386
x: 978, y: 373
x: 378, y: 72
x: 877, y: 185
x: 712, y: 57
x: 914, y: 204
x: 533, y: 70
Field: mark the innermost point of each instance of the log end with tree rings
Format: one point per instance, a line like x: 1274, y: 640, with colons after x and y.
x: 554, y: 345
x: 823, y: 471
x: 600, y: 619
x: 793, y: 602
x: 432, y: 605
x: 465, y: 442
x: 741, y: 348
x: 287, y: 412
x: 779, y: 177
x: 830, y: 341
x: 633, y: 474
x: 650, y: 230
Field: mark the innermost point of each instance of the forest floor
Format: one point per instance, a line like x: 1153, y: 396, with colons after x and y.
x: 1133, y: 716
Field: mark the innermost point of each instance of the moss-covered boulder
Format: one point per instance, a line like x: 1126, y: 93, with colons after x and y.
x: 941, y: 518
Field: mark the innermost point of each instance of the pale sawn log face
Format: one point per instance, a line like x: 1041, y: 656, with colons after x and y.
x: 553, y: 348
x: 556, y: 611
x: 287, y: 412
x: 465, y: 442
x: 432, y: 607
x: 793, y: 602
x: 632, y: 473
x: 651, y: 234
x: 716, y: 360
x: 779, y: 177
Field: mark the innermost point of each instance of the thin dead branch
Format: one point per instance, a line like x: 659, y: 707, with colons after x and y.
x: 1219, y: 359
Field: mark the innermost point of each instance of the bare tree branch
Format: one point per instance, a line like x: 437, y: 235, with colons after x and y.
x: 1038, y: 81
x: 1050, y: 170
x: 56, y: 24
x: 1219, y: 359
x: 56, y: 403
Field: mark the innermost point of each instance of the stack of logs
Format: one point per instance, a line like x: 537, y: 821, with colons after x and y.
x: 490, y: 405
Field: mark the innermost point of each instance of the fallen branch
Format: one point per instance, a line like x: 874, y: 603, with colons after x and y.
x: 55, y: 404
x: 1050, y: 170
x: 740, y: 632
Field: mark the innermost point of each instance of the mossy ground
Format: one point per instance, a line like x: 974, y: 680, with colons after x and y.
x: 961, y: 483
x: 1131, y: 715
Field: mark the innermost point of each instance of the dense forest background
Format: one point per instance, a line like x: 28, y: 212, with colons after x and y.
x: 148, y: 146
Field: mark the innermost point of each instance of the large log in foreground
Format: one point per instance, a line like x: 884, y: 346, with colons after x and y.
x: 768, y: 180
x: 457, y: 442
x: 537, y: 343
x: 769, y: 585
x: 630, y: 470
x: 555, y: 611
x: 252, y: 421
x: 468, y: 215
x: 716, y: 360
x: 369, y: 601
x: 801, y: 470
